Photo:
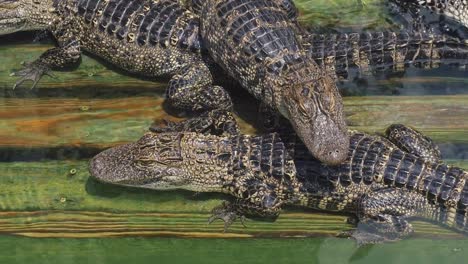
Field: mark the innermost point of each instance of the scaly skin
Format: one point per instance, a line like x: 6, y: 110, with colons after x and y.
x: 448, y: 16
x: 377, y: 51
x: 381, y: 184
x: 257, y: 43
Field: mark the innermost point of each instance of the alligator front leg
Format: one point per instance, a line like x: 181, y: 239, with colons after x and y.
x: 383, y: 213
x: 51, y: 59
x: 414, y: 142
x: 191, y: 88
x: 256, y: 197
x: 227, y: 212
x: 67, y: 53
x: 230, y: 212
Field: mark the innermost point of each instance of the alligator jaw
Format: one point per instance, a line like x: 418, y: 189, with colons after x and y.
x: 114, y: 165
x: 117, y: 166
x: 121, y: 166
x: 23, y: 15
x: 316, y: 113
x: 324, y: 138
x: 11, y: 22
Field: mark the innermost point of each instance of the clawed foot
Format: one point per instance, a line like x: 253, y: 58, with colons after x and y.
x: 217, y: 120
x: 362, y: 238
x: 226, y: 213
x: 31, y: 72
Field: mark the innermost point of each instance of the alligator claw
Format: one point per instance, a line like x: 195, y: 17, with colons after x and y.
x: 226, y: 213
x: 31, y: 72
x: 363, y: 238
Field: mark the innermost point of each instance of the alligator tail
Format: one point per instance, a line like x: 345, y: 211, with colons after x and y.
x: 384, y: 51
x: 446, y: 192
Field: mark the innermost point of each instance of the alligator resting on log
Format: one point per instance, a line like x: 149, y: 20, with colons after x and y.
x: 384, y: 181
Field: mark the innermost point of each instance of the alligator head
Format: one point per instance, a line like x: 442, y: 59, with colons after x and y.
x: 159, y: 161
x: 23, y: 15
x: 315, y: 109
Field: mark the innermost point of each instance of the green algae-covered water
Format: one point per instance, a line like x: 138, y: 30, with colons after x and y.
x: 52, y: 212
x: 207, y: 251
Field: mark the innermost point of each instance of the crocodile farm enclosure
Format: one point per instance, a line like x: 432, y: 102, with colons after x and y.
x: 52, y: 210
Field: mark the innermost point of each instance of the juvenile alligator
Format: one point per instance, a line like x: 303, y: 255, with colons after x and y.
x: 154, y: 38
x: 384, y: 181
x: 257, y: 43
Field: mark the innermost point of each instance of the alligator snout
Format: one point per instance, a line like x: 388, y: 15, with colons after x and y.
x: 112, y: 165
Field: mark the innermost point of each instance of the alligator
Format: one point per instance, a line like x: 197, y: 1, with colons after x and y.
x: 385, y: 180
x: 446, y: 16
x: 258, y: 44
x: 154, y: 38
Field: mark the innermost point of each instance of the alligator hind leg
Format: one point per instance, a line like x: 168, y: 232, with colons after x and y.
x: 383, y: 215
x: 191, y: 88
x: 414, y: 142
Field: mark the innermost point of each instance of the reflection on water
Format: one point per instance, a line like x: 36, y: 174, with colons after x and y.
x: 47, y: 135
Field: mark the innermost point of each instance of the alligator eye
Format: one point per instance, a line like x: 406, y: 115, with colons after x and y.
x: 305, y: 91
x: 144, y: 162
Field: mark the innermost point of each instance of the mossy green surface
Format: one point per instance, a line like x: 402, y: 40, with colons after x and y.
x: 206, y: 251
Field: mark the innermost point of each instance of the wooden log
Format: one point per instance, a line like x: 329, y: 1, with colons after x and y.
x: 88, y: 122
x: 58, y: 199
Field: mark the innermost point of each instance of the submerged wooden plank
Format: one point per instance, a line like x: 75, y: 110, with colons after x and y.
x: 339, y: 14
x: 50, y: 122
x: 58, y: 199
x: 443, y: 118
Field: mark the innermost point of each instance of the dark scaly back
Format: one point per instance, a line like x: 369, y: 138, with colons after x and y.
x: 147, y: 23
x: 258, y: 35
x: 373, y: 159
x: 374, y: 163
x: 265, y: 156
x: 260, y: 165
x: 258, y: 45
x: 384, y: 51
